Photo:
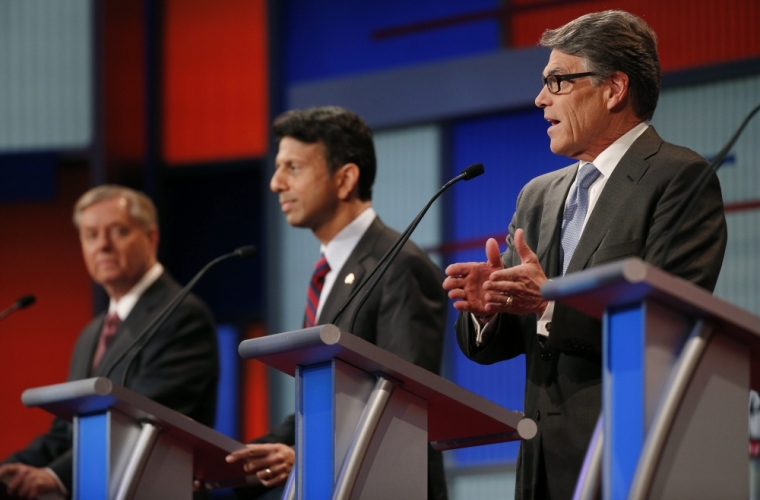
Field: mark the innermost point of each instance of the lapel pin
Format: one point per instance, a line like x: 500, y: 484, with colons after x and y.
x: 349, y: 279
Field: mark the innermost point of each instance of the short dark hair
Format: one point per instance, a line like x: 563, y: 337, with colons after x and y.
x: 347, y: 139
x: 611, y: 41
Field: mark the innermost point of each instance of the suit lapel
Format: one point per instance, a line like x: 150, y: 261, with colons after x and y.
x: 82, y: 362
x: 356, y: 265
x: 132, y: 326
x: 619, y: 187
x: 551, y: 219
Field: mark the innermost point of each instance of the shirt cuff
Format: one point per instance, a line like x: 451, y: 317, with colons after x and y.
x: 544, y: 323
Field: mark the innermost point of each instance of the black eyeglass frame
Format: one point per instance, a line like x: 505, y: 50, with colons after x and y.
x: 559, y: 78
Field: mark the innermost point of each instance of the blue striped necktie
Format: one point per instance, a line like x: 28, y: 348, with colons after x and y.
x: 575, y: 213
x: 315, y: 290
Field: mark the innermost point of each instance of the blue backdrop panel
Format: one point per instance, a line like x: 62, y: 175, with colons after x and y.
x: 514, y: 148
x: 334, y: 37
x: 228, y: 393
x: 27, y: 176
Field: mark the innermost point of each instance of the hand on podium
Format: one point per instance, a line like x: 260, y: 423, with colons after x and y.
x: 271, y: 462
x: 25, y: 481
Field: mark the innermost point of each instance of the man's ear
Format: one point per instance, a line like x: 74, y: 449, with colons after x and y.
x: 347, y: 178
x: 617, y: 92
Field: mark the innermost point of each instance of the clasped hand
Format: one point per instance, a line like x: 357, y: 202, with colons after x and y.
x: 487, y: 288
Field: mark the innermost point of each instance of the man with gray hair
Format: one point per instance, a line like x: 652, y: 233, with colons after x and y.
x: 178, y: 367
x: 600, y: 88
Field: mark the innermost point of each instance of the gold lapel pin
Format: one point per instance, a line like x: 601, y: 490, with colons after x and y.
x: 349, y: 279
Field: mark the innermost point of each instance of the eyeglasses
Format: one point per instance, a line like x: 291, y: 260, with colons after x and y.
x: 554, y: 82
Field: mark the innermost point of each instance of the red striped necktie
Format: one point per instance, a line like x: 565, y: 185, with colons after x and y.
x: 110, y: 324
x: 315, y: 289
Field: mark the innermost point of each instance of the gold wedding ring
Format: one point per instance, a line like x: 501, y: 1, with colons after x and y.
x: 269, y: 473
x: 509, y: 301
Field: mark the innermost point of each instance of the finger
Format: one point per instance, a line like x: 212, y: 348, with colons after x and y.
x: 459, y: 269
x: 527, y: 256
x: 492, y: 253
x: 249, y: 452
x: 451, y: 283
x: 457, y: 294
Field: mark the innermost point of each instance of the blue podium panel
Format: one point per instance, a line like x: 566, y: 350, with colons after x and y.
x: 316, y: 431
x: 623, y: 388
x: 91, y: 452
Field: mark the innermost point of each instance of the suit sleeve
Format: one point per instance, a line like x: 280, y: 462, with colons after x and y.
x: 696, y: 252
x: 179, y: 367
x: 506, y: 338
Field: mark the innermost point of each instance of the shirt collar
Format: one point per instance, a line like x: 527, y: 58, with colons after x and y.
x: 610, y: 157
x: 125, y: 304
x: 340, y: 247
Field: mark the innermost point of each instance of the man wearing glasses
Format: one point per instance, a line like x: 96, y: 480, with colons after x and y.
x: 600, y: 88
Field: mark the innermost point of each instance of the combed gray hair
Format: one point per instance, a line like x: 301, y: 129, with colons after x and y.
x: 141, y: 208
x: 611, y: 41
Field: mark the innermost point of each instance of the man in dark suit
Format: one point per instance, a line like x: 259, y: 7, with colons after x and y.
x: 325, y: 169
x: 600, y: 87
x: 179, y: 366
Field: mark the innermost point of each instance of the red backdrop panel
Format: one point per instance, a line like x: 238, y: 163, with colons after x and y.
x: 215, y: 80
x: 255, y: 393
x: 691, y: 33
x: 39, y: 254
x: 123, y: 80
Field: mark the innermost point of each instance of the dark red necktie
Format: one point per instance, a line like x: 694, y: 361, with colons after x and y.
x: 315, y: 290
x: 110, y: 325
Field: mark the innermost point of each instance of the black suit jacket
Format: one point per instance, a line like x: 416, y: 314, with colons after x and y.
x: 405, y: 314
x: 563, y: 386
x: 178, y: 368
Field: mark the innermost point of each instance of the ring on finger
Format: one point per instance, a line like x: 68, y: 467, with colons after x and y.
x: 269, y: 473
x: 509, y: 300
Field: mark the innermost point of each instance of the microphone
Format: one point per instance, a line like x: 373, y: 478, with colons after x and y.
x: 144, y: 337
x: 691, y: 198
x: 21, y: 302
x: 382, y: 266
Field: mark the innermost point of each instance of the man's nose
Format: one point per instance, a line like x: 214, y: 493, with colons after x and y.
x: 276, y: 184
x: 543, y: 97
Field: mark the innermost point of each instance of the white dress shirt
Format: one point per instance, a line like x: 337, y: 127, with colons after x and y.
x: 338, y: 250
x: 124, y: 306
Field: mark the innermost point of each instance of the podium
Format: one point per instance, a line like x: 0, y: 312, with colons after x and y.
x: 128, y: 446
x: 677, y: 366
x: 364, y: 416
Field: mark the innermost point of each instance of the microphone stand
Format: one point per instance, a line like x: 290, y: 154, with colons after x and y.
x: 144, y: 337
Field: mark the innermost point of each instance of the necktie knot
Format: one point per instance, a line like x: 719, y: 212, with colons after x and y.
x: 587, y: 175
x: 321, y: 268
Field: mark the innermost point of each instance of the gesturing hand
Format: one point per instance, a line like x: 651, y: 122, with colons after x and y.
x: 517, y: 290
x: 465, y: 281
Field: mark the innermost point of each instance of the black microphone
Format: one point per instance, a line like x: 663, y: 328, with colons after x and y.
x: 22, y: 302
x: 144, y: 337
x: 468, y: 173
x: 691, y: 198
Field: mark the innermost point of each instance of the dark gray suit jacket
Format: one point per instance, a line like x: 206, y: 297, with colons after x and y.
x: 563, y: 387
x: 405, y: 314
x: 178, y: 368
